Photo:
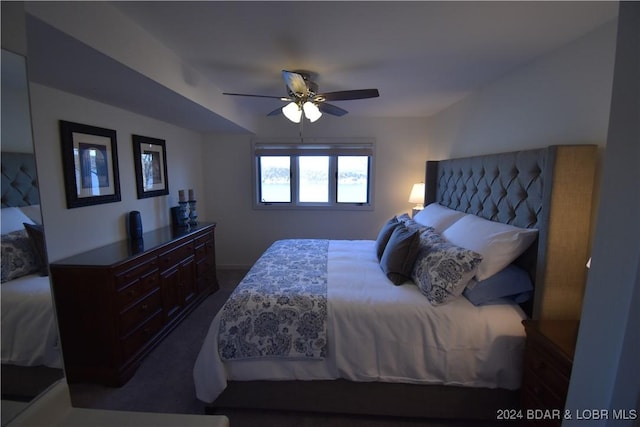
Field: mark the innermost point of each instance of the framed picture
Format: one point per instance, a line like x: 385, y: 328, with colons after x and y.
x: 90, y: 164
x: 150, y: 163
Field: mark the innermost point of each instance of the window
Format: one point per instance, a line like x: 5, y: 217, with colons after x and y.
x: 334, y: 175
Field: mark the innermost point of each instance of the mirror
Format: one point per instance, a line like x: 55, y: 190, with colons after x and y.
x: 31, y: 357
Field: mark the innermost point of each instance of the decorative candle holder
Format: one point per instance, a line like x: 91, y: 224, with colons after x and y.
x: 183, y: 214
x: 193, y: 214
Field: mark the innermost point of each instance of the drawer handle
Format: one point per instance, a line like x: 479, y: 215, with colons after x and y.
x: 131, y: 292
x: 144, y: 307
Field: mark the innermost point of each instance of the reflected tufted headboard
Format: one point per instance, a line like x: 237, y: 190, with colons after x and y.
x: 549, y: 189
x: 19, y: 180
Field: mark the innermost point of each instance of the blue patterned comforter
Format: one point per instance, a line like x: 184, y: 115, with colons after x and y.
x: 280, y: 307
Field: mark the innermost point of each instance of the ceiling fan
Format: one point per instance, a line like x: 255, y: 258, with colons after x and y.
x: 304, y: 100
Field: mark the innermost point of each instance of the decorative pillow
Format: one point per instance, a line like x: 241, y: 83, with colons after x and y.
x: 442, y: 270
x: 36, y: 236
x: 414, y: 226
x: 437, y: 216
x: 17, y: 256
x: 384, y: 235
x: 400, y: 254
x: 403, y: 217
x: 509, y: 286
x: 499, y: 244
x: 12, y: 220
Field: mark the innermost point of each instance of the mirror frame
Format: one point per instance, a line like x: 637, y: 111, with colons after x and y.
x: 11, y: 408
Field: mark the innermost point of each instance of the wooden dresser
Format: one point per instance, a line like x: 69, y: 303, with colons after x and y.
x: 116, y: 302
x: 547, y: 369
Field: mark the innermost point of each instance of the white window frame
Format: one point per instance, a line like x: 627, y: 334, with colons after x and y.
x: 332, y: 147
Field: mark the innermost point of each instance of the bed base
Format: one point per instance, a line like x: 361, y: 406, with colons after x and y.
x: 370, y: 398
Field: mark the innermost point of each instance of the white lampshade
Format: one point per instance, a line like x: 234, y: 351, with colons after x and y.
x: 292, y: 112
x: 311, y: 111
x: 417, y: 195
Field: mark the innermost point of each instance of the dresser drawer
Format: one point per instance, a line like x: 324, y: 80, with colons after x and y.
x: 137, y: 288
x: 539, y: 394
x: 141, y: 336
x: 204, y: 237
x: 128, y: 273
x: 204, y: 267
x: 548, y: 369
x: 174, y: 256
x: 141, y: 311
x: 204, y: 250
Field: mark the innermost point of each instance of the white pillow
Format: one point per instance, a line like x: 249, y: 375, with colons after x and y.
x: 499, y: 244
x: 12, y: 219
x: 33, y: 212
x: 437, y: 216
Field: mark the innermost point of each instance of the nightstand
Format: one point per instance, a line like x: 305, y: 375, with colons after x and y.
x: 548, y: 361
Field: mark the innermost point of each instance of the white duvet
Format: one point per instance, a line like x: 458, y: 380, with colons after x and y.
x: 381, y: 332
x: 29, y: 331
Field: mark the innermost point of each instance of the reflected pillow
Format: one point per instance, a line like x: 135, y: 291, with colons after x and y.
x: 36, y: 236
x: 437, y: 216
x: 33, y: 212
x: 384, y: 235
x: 17, y: 258
x: 400, y: 254
x: 12, y: 220
x: 509, y: 286
x: 499, y: 244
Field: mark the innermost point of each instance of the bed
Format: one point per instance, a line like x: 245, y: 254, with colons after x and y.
x: 393, y: 342
x: 29, y: 332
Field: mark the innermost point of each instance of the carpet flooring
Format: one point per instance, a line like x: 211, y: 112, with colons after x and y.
x: 164, y: 383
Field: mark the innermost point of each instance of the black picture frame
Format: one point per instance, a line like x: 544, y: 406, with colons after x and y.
x: 90, y: 164
x: 150, y: 164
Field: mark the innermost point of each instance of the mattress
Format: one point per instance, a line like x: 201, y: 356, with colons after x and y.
x: 29, y: 330
x: 377, y: 331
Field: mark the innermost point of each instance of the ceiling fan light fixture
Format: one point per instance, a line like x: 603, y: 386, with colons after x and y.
x: 311, y: 111
x: 292, y: 112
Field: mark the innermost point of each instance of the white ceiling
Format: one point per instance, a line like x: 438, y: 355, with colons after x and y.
x: 422, y: 56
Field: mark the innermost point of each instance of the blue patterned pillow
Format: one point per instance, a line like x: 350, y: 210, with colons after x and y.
x: 442, y: 270
x: 18, y: 258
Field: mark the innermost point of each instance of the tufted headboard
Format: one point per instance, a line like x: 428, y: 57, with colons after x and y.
x: 19, y: 180
x: 549, y: 189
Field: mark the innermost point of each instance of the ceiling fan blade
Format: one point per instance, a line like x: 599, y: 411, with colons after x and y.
x: 281, y: 98
x: 345, y: 95
x: 331, y: 109
x: 295, y: 82
x: 275, y: 112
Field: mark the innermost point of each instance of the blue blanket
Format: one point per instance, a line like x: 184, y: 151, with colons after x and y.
x: 279, y: 309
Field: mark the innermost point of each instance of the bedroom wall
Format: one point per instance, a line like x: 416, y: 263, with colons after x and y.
x: 561, y: 98
x: 70, y: 231
x: 244, y: 233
